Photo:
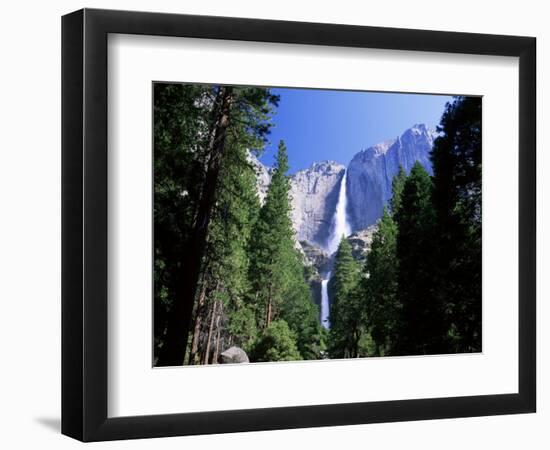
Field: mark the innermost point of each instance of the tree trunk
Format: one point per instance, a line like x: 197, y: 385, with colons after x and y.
x: 198, y: 324
x: 206, y: 356
x: 217, y: 350
x: 269, y: 306
x: 179, y: 323
x: 268, y: 320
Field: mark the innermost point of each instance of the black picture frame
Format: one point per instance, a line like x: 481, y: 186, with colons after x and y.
x: 84, y: 224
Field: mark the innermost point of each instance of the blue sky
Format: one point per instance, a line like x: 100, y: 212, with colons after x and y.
x: 317, y: 125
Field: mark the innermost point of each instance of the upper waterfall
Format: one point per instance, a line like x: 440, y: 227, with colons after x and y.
x: 358, y: 193
x: 340, y: 224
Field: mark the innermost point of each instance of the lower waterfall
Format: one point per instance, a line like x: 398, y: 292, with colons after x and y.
x: 325, y: 306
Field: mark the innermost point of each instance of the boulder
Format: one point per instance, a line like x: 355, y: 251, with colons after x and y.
x: 234, y: 355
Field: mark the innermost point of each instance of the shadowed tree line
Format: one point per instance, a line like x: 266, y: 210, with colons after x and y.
x: 419, y: 291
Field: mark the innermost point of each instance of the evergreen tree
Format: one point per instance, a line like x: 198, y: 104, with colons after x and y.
x: 379, y: 285
x: 272, y: 243
x: 277, y: 343
x: 278, y: 285
x: 421, y: 326
x: 181, y: 114
x: 456, y: 158
x: 299, y: 310
x: 345, y: 312
x: 398, y: 183
x: 231, y: 119
x: 223, y: 317
x: 225, y: 267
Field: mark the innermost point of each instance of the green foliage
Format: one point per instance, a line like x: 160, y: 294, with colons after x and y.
x: 421, y: 329
x: 300, y: 312
x: 379, y: 285
x: 456, y: 158
x: 185, y: 117
x: 398, y: 183
x: 180, y: 124
x: 422, y: 284
x: 271, y: 247
x: 235, y: 213
x: 277, y: 343
x: 345, y: 312
x: 277, y: 275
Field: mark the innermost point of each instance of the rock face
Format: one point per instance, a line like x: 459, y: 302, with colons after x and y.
x: 234, y: 355
x: 361, y: 242
x: 318, y: 264
x: 314, y: 193
x: 263, y: 176
x: 317, y: 257
x: 371, y: 171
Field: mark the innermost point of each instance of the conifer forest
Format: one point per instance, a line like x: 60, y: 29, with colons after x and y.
x: 260, y: 257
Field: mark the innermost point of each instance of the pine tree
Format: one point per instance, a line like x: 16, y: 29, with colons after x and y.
x: 181, y: 114
x: 277, y: 277
x: 379, y: 284
x: 398, y: 183
x: 421, y: 326
x: 456, y: 158
x: 272, y: 243
x: 226, y: 264
x: 345, y: 312
x: 299, y: 310
x: 231, y: 119
x: 225, y: 317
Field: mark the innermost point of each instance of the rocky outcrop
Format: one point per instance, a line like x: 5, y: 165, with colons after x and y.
x: 314, y: 193
x: 361, y: 241
x: 234, y: 355
x: 371, y: 171
x: 316, y: 256
x: 317, y: 264
x: 263, y: 176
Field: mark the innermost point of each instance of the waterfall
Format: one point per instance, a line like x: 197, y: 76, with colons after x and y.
x: 325, y: 308
x: 340, y: 224
x: 340, y: 227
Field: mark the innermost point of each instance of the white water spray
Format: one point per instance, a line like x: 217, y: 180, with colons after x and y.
x: 340, y: 228
x: 340, y: 224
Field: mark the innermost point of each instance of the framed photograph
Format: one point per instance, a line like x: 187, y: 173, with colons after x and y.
x: 273, y: 224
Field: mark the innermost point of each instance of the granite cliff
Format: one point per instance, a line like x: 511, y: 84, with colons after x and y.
x: 371, y: 171
x: 314, y: 191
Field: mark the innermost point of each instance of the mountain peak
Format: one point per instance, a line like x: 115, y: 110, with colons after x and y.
x: 419, y: 127
x: 380, y: 149
x: 327, y: 167
x: 420, y: 131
